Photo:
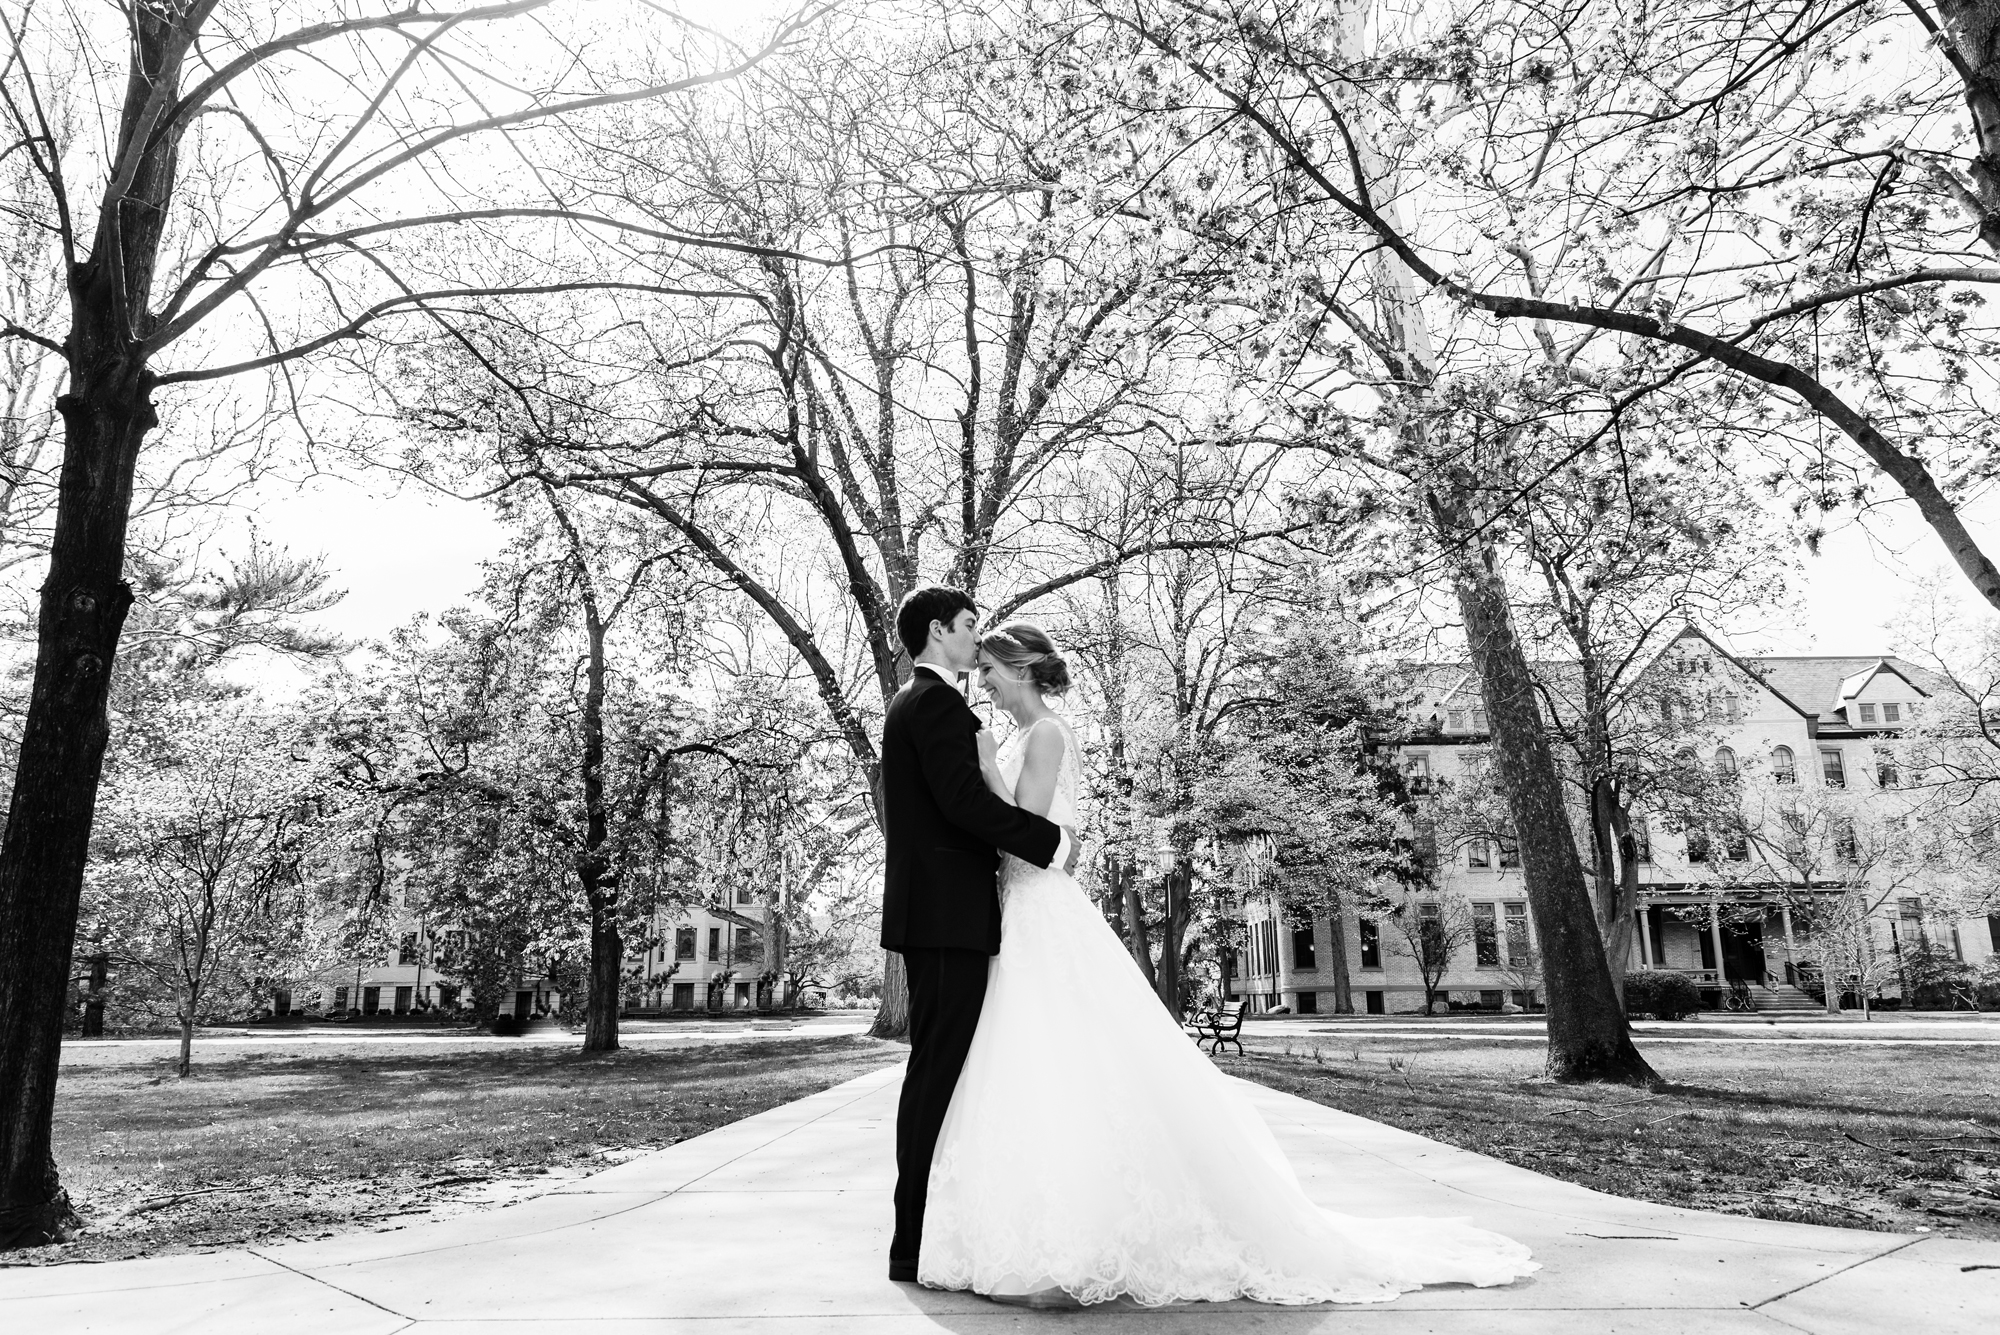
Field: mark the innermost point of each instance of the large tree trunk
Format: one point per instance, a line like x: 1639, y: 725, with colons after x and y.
x: 1617, y: 855
x: 1343, y: 984
x: 892, y: 1017
x: 83, y: 606
x: 107, y: 412
x: 1137, y: 939
x: 1974, y: 29
x: 93, y: 998
x: 1588, y: 1035
x: 604, y: 986
x: 600, y: 881
x: 1167, y: 978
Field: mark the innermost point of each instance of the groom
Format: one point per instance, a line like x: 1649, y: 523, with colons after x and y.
x: 941, y: 902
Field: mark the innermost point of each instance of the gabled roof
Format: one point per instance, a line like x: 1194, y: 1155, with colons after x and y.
x: 1815, y: 687
x: 1820, y: 687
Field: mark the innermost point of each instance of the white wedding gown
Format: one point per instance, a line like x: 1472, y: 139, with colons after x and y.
x: 1092, y: 1147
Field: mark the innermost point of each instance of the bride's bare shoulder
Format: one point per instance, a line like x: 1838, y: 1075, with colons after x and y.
x: 1046, y: 745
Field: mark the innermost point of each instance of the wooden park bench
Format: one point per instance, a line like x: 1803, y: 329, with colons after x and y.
x: 1220, y: 1026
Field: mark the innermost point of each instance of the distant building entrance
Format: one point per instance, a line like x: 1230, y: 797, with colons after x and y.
x: 1373, y: 1001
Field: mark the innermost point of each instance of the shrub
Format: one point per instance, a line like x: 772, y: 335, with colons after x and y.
x: 1661, y: 993
x: 505, y: 1026
x: 1934, y: 978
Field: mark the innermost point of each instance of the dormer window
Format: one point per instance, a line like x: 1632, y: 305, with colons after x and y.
x: 1867, y: 713
x: 1890, y: 713
x: 1457, y: 717
x: 1479, y: 720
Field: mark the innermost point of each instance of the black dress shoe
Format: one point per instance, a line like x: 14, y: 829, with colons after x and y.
x: 903, y: 1272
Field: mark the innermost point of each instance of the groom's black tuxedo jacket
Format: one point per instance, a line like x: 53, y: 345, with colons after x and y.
x: 944, y: 826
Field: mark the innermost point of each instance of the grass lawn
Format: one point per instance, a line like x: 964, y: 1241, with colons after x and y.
x: 260, y: 1145
x: 1883, y: 1136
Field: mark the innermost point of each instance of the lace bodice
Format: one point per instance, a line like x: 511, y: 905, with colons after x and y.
x: 1013, y: 754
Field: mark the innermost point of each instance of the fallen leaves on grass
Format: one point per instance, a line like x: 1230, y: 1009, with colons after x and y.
x: 274, y: 1145
x: 1881, y: 1137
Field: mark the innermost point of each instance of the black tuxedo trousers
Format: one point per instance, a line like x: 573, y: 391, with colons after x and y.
x: 947, y: 990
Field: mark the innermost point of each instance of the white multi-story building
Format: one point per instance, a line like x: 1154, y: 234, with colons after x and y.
x: 1800, y: 728
x: 708, y: 959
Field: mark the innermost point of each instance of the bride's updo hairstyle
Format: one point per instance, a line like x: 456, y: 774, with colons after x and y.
x: 1020, y: 647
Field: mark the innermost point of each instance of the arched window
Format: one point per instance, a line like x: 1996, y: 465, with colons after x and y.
x: 1725, y: 763
x: 1783, y: 768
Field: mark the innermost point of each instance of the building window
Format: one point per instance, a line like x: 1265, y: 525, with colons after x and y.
x: 340, y: 993
x: 1783, y: 768
x: 1417, y: 770
x: 1725, y: 763
x: 1697, y: 846
x: 1510, y: 852
x: 1867, y: 713
x: 1517, y: 934
x: 406, y: 950
x: 1303, y: 955
x: 1308, y: 1003
x: 745, y: 895
x: 1479, y: 720
x: 714, y: 944
x: 684, y: 943
x: 1430, y: 929
x: 1892, y: 713
x: 1843, y: 840
x: 1457, y: 717
x: 1642, y: 842
x: 1832, y: 768
x: 684, y: 995
x: 1477, y: 854
x: 1371, y: 944
x: 371, y: 1000
x: 448, y: 996
x: 1885, y: 772
x: 1486, y: 936
x: 1717, y: 711
x: 1737, y: 844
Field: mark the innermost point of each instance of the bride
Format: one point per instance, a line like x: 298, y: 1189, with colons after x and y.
x: 1091, y: 1150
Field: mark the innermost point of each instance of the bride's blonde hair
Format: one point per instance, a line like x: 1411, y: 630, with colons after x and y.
x: 1021, y: 647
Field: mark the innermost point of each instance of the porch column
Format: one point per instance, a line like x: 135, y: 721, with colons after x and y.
x: 1646, y: 939
x: 1791, y: 946
x: 1715, y: 933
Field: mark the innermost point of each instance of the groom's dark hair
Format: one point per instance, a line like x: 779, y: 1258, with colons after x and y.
x: 921, y: 606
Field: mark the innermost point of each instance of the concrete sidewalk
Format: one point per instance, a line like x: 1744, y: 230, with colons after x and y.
x: 778, y: 1225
